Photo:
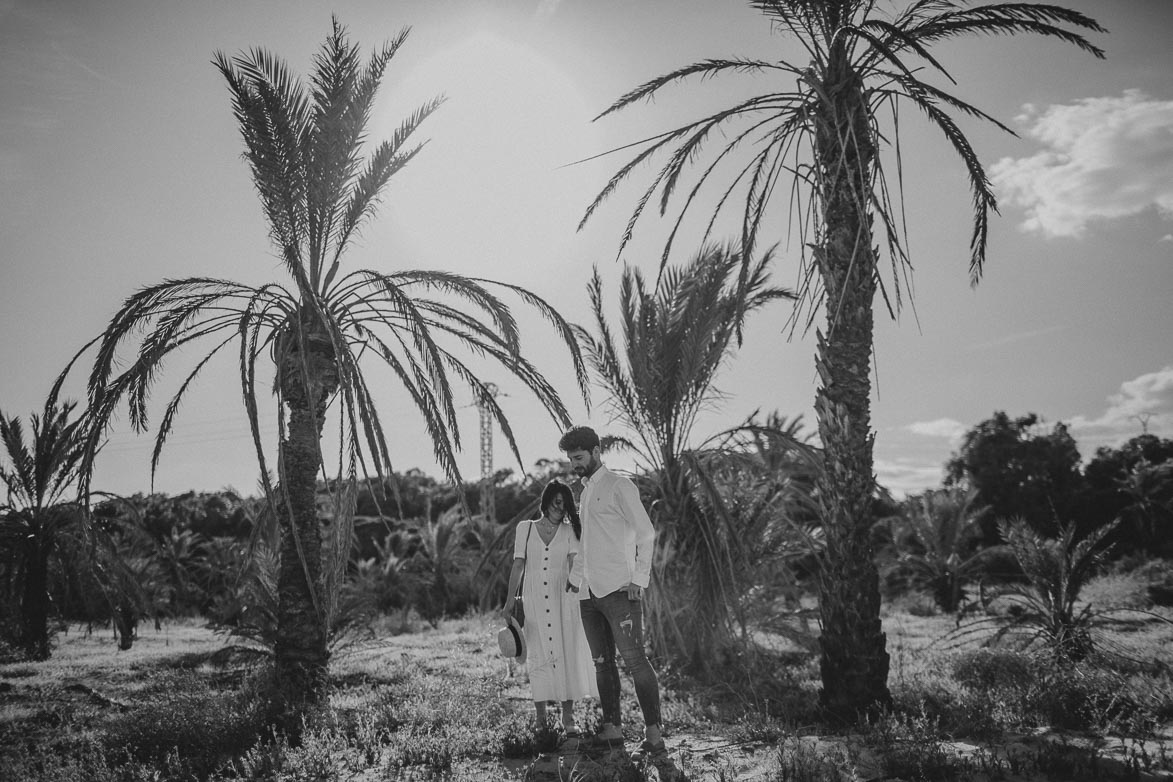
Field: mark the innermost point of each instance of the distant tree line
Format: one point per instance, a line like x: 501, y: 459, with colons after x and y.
x: 1021, y: 468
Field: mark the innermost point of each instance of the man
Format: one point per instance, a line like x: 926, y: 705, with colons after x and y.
x: 610, y: 577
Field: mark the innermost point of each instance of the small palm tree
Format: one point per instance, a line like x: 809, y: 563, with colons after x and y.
x: 676, y: 337
x: 1046, y: 609
x: 436, y: 565
x: 760, y: 478
x: 178, y: 553
x: 937, y: 542
x: 817, y: 139
x: 43, y: 517
x: 40, y: 480
x: 321, y: 327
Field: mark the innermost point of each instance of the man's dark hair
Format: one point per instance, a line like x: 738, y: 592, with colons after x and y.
x: 580, y: 438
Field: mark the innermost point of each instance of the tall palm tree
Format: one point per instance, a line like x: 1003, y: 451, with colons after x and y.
x: 675, y: 339
x: 818, y: 139
x: 40, y: 480
x: 305, y: 144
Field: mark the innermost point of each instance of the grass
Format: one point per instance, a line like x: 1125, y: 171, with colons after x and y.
x: 439, y: 704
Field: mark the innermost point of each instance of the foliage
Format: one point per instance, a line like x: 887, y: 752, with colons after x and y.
x: 1134, y: 482
x: 324, y: 329
x: 436, y: 706
x: 1019, y: 470
x: 761, y: 477
x: 196, y: 729
x: 934, y: 544
x: 39, y: 477
x: 1020, y: 690
x: 1046, y: 609
x: 675, y: 338
x: 47, y: 538
x: 817, y: 140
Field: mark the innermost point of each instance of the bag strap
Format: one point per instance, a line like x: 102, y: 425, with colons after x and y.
x: 525, y: 558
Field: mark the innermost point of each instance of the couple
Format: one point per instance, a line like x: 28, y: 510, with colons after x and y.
x: 585, y: 580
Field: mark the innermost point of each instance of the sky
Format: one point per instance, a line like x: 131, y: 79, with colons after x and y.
x: 120, y: 166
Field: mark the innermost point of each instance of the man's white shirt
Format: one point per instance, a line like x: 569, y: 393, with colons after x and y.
x: 617, y: 536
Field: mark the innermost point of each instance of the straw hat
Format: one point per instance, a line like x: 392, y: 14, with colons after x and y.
x: 511, y: 640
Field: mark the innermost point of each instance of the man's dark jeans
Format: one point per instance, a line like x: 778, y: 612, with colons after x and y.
x: 615, y: 621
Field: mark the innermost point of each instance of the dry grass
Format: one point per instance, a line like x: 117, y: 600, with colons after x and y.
x: 441, y: 704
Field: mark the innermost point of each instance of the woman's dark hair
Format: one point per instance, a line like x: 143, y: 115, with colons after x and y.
x: 552, y: 490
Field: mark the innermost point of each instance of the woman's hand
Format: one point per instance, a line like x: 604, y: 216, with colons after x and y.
x: 507, y: 611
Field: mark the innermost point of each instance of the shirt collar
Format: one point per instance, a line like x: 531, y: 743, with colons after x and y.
x: 595, y: 475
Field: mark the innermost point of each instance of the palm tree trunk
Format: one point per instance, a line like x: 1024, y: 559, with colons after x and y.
x: 34, y: 607
x: 308, y: 381
x: 854, y: 664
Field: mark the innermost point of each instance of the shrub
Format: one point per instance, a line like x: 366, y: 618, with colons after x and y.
x: 988, y: 669
x: 911, y: 748
x: 197, y: 729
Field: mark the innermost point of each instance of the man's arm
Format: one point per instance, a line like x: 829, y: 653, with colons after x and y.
x: 645, y: 534
x: 577, y: 576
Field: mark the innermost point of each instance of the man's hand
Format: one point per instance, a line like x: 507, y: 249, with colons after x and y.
x: 635, y: 592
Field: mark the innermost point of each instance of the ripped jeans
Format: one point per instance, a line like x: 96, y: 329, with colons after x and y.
x: 610, y: 621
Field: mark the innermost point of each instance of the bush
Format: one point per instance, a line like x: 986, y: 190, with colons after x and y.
x: 1082, y: 698
x: 197, y: 729
x: 988, y: 669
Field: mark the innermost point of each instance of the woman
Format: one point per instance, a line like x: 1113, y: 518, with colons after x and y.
x: 557, y: 656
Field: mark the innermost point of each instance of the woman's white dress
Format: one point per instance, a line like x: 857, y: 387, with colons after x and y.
x: 557, y: 656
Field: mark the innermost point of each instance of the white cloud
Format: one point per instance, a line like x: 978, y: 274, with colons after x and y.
x: 907, y: 476
x: 941, y: 427
x: 1104, y: 158
x: 1145, y: 401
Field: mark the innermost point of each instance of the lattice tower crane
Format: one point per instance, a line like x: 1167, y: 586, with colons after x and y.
x: 488, y: 500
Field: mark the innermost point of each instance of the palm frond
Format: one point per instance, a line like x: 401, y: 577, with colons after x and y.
x: 705, y: 69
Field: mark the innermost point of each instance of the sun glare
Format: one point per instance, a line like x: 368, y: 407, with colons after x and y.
x: 489, y: 188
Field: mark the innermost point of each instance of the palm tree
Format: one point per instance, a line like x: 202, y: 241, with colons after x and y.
x: 819, y: 140
x: 940, y: 532
x: 676, y: 337
x: 40, y: 504
x: 1046, y: 607
x: 305, y: 145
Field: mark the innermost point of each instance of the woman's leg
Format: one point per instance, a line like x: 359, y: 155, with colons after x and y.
x: 540, y: 708
x: 568, y: 723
